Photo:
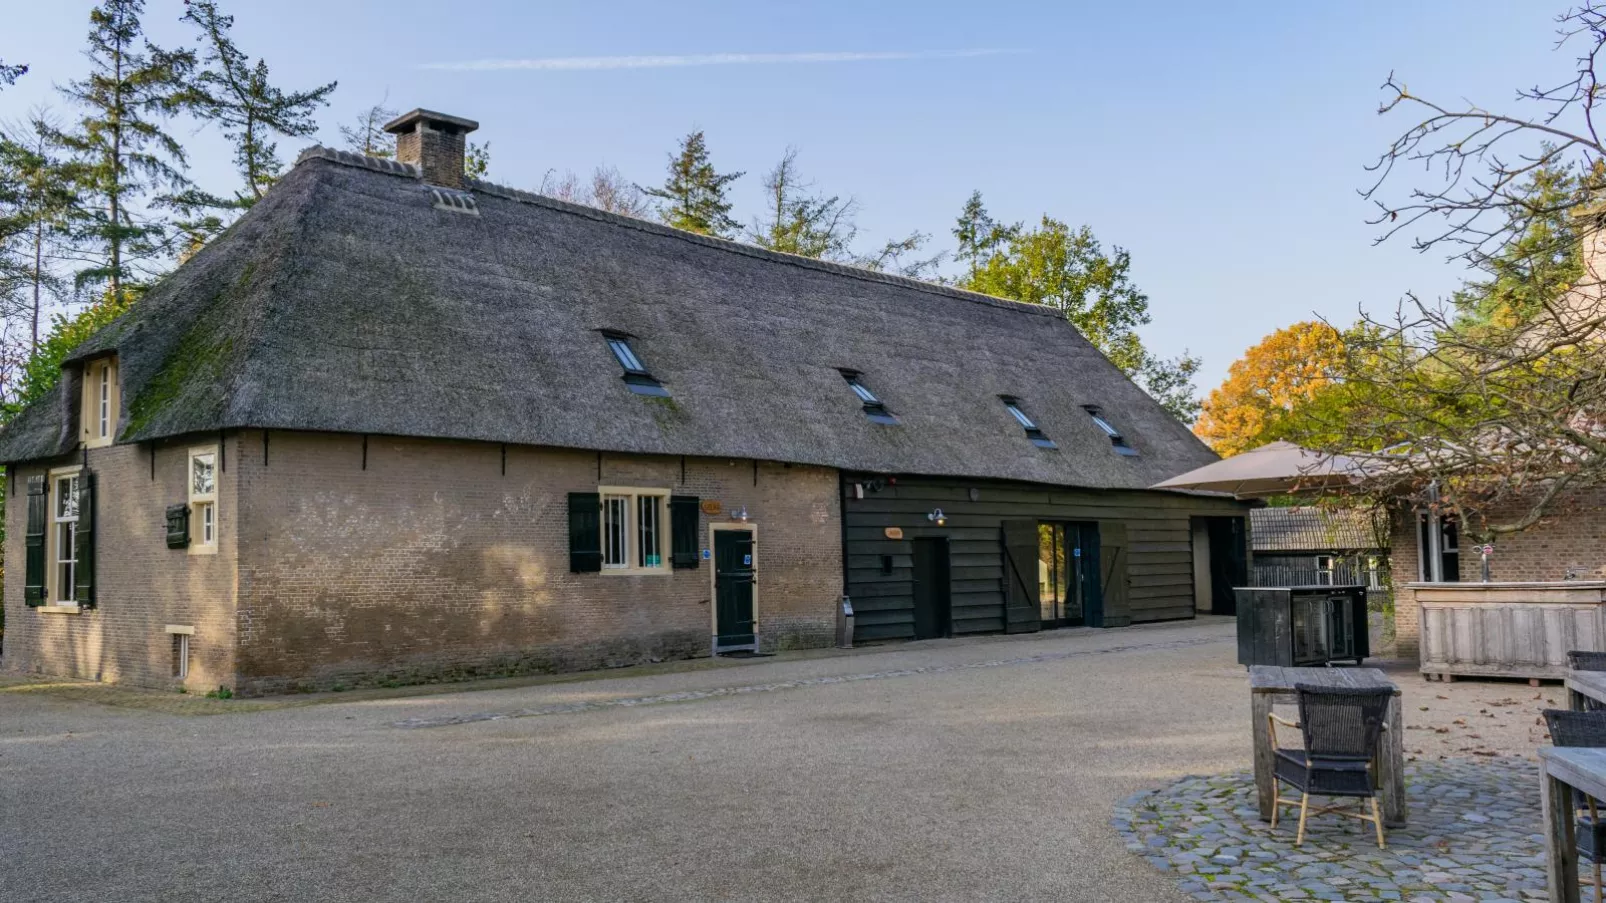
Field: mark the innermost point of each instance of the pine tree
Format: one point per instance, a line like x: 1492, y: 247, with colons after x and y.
x: 979, y: 235
x: 10, y: 74
x: 38, y: 209
x: 693, y: 196
x: 798, y: 221
x: 241, y: 101
x: 120, y: 143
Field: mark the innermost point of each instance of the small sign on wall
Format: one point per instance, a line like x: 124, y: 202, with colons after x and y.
x: 711, y: 507
x: 707, y: 554
x: 894, y: 532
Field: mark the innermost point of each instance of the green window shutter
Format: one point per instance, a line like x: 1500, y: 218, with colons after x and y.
x: 33, y: 591
x: 585, y: 532
x: 178, y: 526
x: 83, y: 591
x: 683, y: 524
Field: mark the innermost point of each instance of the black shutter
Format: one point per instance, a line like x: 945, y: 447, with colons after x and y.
x: 33, y: 581
x: 683, y: 524
x: 1023, y: 612
x: 83, y: 591
x: 178, y: 526
x: 585, y: 532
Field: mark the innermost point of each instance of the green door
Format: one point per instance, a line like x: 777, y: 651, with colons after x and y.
x: 733, y: 590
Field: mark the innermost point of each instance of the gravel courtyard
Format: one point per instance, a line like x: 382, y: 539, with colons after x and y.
x: 949, y: 770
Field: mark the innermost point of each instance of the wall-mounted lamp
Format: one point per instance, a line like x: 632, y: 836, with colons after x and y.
x: 937, y: 517
x: 740, y: 514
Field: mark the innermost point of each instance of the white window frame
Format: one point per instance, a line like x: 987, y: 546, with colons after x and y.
x: 625, y: 558
x: 60, y: 597
x: 1430, y: 555
x: 101, y: 398
x: 203, y: 505
x: 1325, y: 569
x: 1374, y: 574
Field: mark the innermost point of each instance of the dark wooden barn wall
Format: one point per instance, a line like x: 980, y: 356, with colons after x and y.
x: 1160, y: 546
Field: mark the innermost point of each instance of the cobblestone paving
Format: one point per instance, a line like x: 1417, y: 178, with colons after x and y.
x: 1473, y: 836
x: 565, y: 708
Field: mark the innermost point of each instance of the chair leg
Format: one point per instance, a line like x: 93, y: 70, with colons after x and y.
x: 1277, y: 803
x: 1377, y: 821
x: 1304, y: 805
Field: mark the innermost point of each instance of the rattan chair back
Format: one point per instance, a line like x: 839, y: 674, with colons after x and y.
x: 1342, y: 722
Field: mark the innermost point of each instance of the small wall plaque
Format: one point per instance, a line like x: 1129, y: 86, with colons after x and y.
x: 711, y: 507
x: 894, y: 532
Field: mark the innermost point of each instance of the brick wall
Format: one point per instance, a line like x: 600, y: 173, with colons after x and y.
x: 1572, y: 537
x: 141, y: 585
x: 432, y: 563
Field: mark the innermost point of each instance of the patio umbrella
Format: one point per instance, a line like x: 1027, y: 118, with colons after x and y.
x: 1271, y: 469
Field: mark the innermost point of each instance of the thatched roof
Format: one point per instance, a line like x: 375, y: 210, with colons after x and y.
x: 348, y: 300
x: 1308, y: 528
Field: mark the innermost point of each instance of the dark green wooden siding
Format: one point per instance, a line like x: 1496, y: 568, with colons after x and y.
x: 1160, y: 568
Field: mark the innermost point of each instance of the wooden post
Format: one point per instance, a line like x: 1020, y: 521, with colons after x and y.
x: 1391, y: 766
x: 1561, y: 855
x: 1265, y: 780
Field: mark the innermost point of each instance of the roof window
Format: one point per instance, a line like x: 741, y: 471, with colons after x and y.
x: 1109, y: 429
x: 1032, y: 432
x: 636, y: 376
x: 873, y: 406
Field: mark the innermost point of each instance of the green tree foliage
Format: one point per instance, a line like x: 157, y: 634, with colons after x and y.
x: 477, y: 160
x: 240, y: 100
x: 693, y: 196
x: 39, y: 206
x: 798, y: 221
x: 979, y: 236
x: 42, y: 373
x: 10, y: 73
x: 124, y: 151
x: 1069, y: 270
x: 237, y: 96
x: 1542, y: 259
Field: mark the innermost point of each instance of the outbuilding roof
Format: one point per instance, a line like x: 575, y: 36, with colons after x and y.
x: 1308, y: 528
x: 355, y: 298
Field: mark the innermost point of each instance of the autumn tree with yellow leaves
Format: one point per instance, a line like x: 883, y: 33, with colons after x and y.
x: 1267, y: 389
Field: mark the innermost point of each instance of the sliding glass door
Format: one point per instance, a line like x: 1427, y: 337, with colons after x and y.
x: 1067, y: 578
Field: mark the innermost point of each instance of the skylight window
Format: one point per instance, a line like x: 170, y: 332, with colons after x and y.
x: 873, y: 406
x: 637, y: 378
x: 1116, y: 439
x: 1027, y: 423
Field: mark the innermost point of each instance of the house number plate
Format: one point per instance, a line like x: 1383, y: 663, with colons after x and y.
x: 711, y: 506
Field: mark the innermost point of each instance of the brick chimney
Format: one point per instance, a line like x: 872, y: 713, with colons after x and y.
x: 433, y: 142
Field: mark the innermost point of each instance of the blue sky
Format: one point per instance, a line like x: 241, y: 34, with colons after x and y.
x: 1221, y: 143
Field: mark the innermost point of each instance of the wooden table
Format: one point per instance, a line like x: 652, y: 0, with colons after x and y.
x: 1269, y: 684
x: 1585, y: 684
x: 1560, y: 770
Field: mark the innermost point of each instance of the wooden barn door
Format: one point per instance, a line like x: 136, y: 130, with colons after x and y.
x: 1022, y: 605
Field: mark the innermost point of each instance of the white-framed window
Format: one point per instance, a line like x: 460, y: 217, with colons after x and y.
x: 1438, y: 547
x: 1374, y: 574
x: 635, y: 530
x: 63, y: 536
x: 181, y: 655
x: 1324, y: 570
x: 203, y: 475
x: 100, y: 402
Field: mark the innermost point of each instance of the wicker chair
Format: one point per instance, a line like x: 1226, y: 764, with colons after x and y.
x: 1588, y: 661
x: 1341, y: 727
x: 1569, y: 728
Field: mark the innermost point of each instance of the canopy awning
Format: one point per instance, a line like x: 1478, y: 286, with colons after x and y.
x: 1273, y: 469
